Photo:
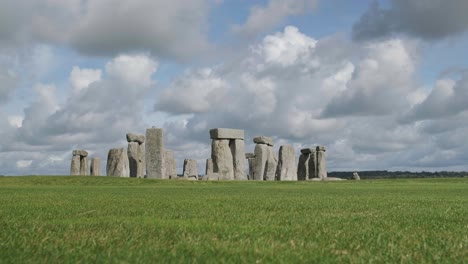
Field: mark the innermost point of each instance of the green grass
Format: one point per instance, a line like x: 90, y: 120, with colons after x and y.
x: 102, y: 220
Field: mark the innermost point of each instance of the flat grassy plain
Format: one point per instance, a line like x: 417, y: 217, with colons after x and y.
x: 102, y: 220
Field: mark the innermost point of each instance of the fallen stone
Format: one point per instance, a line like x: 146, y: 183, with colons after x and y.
x: 82, y: 153
x: 222, y: 159
x: 226, y: 133
x: 75, y: 165
x: 154, y: 153
x: 117, y: 163
x: 140, y: 139
x: 286, y: 170
x: 263, y: 140
x: 237, y: 147
x: 95, y: 169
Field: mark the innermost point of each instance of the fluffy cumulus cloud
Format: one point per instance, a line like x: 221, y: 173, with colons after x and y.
x: 431, y: 19
x: 104, y: 27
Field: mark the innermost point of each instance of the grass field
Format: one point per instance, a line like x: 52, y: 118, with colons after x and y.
x: 102, y: 219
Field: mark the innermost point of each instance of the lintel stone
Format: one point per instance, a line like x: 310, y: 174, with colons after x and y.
x: 263, y: 140
x: 226, y: 133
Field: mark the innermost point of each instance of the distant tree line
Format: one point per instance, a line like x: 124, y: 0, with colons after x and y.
x: 383, y: 174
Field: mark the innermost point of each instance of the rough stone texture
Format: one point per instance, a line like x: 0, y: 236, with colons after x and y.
x: 222, y: 159
x: 264, y: 164
x: 263, y: 140
x: 251, y: 168
x: 135, y: 159
x: 190, y: 169
x: 272, y: 164
x: 307, y: 150
x: 249, y: 155
x: 84, y: 165
x: 140, y: 139
x: 117, y: 163
x: 154, y: 153
x: 313, y: 165
x: 237, y: 147
x: 303, y: 167
x: 95, y: 169
x: 170, y: 165
x: 75, y: 165
x: 286, y: 170
x: 226, y: 133
x: 356, y: 176
x: 82, y: 153
x: 209, y: 167
x: 321, y: 163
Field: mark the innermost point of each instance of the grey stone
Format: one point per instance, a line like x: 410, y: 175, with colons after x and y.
x: 209, y: 167
x: 263, y: 140
x: 321, y: 163
x: 84, y: 165
x: 313, y: 165
x: 272, y: 164
x: 117, y: 163
x: 222, y: 159
x: 154, y: 153
x: 249, y: 155
x: 170, y: 165
x: 307, y: 150
x: 82, y: 153
x: 95, y: 169
x: 135, y: 159
x: 190, y: 168
x: 286, y: 170
x: 75, y: 165
x: 356, y: 176
x: 237, y: 147
x: 264, y: 164
x: 140, y: 139
x: 226, y: 133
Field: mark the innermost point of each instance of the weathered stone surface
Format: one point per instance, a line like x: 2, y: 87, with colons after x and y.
x: 307, y: 150
x: 140, y: 139
x: 171, y: 167
x: 226, y: 133
x: 237, y: 147
x: 209, y: 167
x: 321, y: 162
x: 251, y: 169
x: 155, y: 153
x: 264, y: 164
x: 249, y: 155
x: 222, y: 159
x: 82, y: 153
x: 95, y: 169
x: 84, y: 165
x: 135, y: 160
x: 190, y: 169
x: 272, y: 164
x: 303, y: 167
x: 286, y: 170
x: 356, y: 176
x: 75, y: 165
x: 313, y: 165
x: 263, y: 140
x: 117, y: 163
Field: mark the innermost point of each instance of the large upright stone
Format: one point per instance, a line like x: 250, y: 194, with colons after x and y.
x: 265, y: 162
x: 155, y: 153
x: 170, y: 165
x: 222, y: 159
x: 75, y: 165
x: 226, y: 133
x: 134, y: 159
x: 313, y: 173
x: 95, y: 169
x: 271, y: 165
x: 237, y: 147
x: 321, y: 163
x: 303, y: 167
x: 84, y: 165
x: 117, y: 163
x: 250, y: 159
x: 209, y: 167
x: 286, y: 170
x: 190, y: 169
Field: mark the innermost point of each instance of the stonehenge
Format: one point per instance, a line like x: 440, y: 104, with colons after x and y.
x: 356, y: 176
x: 307, y: 166
x: 95, y: 169
x: 228, y: 153
x: 79, y: 162
x: 136, y: 155
x: 117, y: 163
x: 321, y: 164
x: 154, y: 150
x: 265, y: 162
x: 190, y: 169
x: 286, y: 169
x: 170, y: 165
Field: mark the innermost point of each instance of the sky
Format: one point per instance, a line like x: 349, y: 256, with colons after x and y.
x: 383, y: 84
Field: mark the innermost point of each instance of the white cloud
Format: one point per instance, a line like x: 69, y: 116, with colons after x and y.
x: 21, y: 164
x: 136, y: 69
x: 82, y: 78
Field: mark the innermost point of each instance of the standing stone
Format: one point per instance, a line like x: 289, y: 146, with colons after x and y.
x: 155, y: 153
x: 170, y: 165
x: 265, y: 162
x: 356, y: 176
x: 259, y: 162
x: 117, y: 163
x: 286, y: 170
x: 134, y: 159
x: 313, y: 173
x: 321, y: 163
x: 209, y: 167
x: 84, y: 166
x: 250, y: 158
x: 95, y: 169
x: 190, y: 169
x: 75, y: 165
x: 303, y: 167
x: 271, y: 165
x: 238, y: 154
x: 222, y: 159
